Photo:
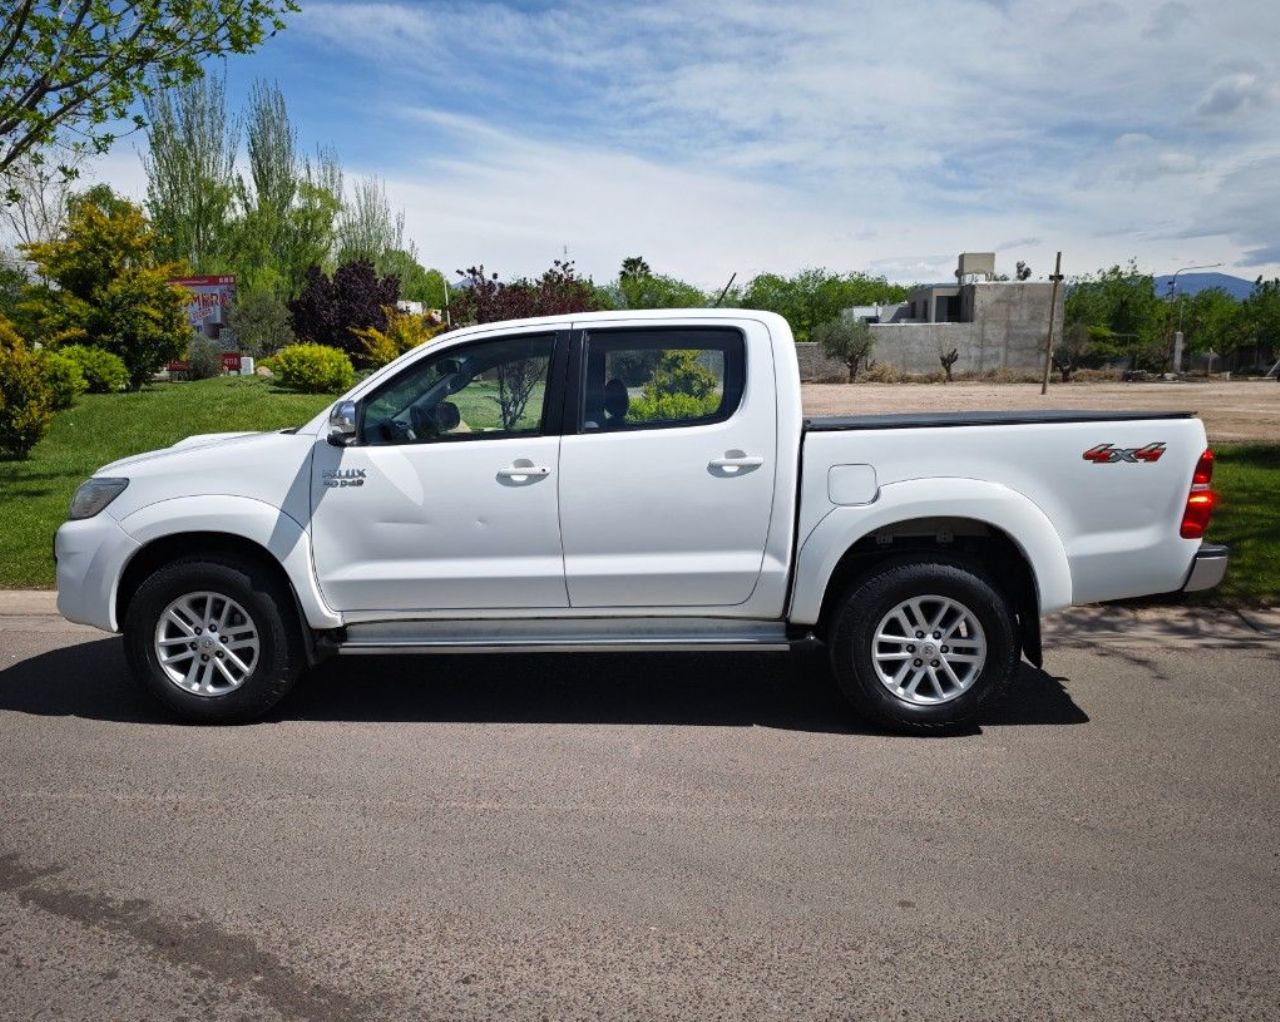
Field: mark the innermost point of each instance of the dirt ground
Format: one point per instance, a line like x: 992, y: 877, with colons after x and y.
x: 1237, y: 411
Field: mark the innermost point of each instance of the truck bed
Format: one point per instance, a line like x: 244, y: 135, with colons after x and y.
x: 935, y: 420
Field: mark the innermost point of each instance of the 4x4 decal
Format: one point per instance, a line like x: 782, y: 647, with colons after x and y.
x: 1105, y: 454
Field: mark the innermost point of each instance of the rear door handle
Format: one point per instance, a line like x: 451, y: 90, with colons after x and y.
x: 744, y: 461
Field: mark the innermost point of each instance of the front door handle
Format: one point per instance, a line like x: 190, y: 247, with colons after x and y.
x: 739, y: 461
x: 519, y: 472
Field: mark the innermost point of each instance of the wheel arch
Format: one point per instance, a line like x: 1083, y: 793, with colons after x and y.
x: 234, y: 525
x: 1003, y: 531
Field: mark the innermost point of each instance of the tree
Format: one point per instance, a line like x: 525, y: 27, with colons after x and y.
x: 37, y: 194
x: 78, y: 65
x: 482, y: 298
x: 1212, y: 321
x: 639, y: 288
x: 26, y: 400
x: 1022, y: 271
x: 815, y: 296
x: 13, y: 283
x: 1122, y: 304
x: 417, y: 283
x: 1261, y: 314
x: 847, y: 339
x: 404, y: 332
x: 634, y: 268
x: 367, y: 228
x: 1076, y: 343
x: 260, y: 322
x: 288, y: 207
x: 190, y: 165
x: 103, y: 286
x: 948, y: 359
x: 330, y: 309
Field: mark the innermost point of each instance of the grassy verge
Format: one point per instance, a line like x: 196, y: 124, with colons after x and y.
x: 1247, y: 519
x: 103, y: 427
x: 34, y: 494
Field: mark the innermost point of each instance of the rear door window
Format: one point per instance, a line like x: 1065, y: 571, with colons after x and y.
x: 660, y: 378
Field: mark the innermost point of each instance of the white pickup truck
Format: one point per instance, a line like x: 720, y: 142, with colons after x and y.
x: 630, y: 482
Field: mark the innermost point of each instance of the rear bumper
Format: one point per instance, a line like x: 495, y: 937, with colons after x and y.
x: 1208, y: 568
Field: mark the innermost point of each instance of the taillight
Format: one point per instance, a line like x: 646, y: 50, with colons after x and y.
x: 1200, y: 501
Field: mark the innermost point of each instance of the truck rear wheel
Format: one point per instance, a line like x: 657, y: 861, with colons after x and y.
x: 919, y: 644
x: 214, y: 638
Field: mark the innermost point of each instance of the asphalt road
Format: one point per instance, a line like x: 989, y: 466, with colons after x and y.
x: 648, y: 837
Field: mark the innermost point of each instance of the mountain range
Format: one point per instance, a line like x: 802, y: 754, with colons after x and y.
x: 1192, y: 283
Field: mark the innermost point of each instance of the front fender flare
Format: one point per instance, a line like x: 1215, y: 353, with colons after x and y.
x: 283, y: 537
x: 989, y: 503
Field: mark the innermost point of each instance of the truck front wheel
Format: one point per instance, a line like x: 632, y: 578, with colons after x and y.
x: 214, y: 638
x: 917, y: 645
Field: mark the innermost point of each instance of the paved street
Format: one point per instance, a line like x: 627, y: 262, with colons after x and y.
x: 641, y: 837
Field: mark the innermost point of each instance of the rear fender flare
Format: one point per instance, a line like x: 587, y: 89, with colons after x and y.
x: 987, y: 503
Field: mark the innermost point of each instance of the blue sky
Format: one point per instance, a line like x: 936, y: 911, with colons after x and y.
x: 721, y: 137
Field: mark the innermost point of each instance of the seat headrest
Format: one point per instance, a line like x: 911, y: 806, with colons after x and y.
x: 616, y: 400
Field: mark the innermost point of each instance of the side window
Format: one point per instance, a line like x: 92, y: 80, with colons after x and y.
x: 484, y: 390
x: 660, y: 378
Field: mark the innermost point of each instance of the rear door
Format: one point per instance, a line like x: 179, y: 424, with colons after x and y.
x: 667, y: 466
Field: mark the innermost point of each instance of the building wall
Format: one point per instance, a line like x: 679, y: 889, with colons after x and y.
x: 1009, y: 320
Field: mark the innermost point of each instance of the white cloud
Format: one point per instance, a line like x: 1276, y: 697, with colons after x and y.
x: 1236, y: 93
x: 741, y: 135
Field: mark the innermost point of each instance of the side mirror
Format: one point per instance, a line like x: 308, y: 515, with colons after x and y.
x: 342, y: 423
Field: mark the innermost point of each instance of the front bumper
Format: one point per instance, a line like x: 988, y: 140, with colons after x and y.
x: 1208, y: 568
x: 91, y: 555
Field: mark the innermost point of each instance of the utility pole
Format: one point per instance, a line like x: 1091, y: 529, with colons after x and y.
x: 1056, y: 277
x: 1176, y: 357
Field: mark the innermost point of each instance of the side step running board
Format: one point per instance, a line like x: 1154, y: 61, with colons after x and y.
x: 565, y: 635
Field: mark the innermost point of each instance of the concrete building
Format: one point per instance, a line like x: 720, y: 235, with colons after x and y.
x: 993, y: 324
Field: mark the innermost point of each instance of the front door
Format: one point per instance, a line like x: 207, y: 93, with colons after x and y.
x: 447, y: 498
x: 667, y: 466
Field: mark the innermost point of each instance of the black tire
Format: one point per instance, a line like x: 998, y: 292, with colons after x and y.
x: 852, y: 631
x: 280, y: 656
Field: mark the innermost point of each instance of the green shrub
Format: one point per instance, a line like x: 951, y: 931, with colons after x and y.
x: 103, y: 372
x: 260, y: 321
x: 204, y: 358
x: 66, y: 381
x: 314, y: 368
x: 680, y: 372
x: 672, y: 407
x: 26, y: 400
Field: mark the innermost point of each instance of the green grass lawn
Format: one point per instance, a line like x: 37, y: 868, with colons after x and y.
x: 102, y: 427
x: 1247, y: 519
x: 34, y: 494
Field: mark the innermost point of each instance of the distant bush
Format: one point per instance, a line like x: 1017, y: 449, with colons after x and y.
x: 1097, y: 375
x: 261, y: 324
x: 404, y: 332
x: 883, y: 372
x: 204, y: 358
x: 672, y: 407
x: 66, y: 381
x: 104, y: 373
x: 848, y: 340
x: 26, y: 399
x: 314, y: 368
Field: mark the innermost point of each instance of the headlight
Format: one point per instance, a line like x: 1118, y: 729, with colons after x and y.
x: 94, y: 495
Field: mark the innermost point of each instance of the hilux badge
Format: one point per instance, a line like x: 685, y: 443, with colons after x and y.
x: 337, y: 477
